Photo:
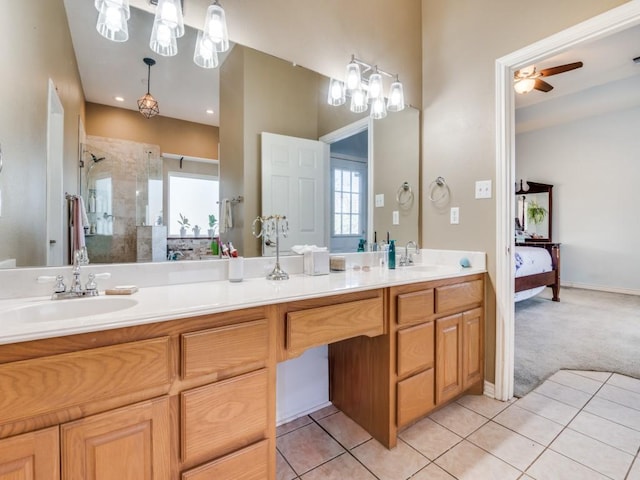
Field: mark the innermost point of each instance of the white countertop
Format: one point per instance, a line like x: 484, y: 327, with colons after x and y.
x: 182, y: 300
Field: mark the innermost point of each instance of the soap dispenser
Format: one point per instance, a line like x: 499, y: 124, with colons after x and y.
x: 392, y: 255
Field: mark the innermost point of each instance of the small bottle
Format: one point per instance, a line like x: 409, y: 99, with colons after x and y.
x: 392, y: 255
x: 92, y: 202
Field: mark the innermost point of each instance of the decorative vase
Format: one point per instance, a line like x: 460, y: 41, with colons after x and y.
x: 183, y: 232
x: 211, y: 232
x: 196, y: 231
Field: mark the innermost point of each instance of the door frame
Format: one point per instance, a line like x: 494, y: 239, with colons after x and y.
x: 600, y: 26
x: 55, y: 198
x: 346, y: 132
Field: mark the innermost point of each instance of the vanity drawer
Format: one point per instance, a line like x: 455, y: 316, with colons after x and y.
x: 42, y: 385
x: 415, y: 397
x: 209, y: 351
x: 324, y: 325
x: 224, y: 416
x: 457, y: 297
x: 415, y: 307
x: 250, y: 463
x: 416, y: 350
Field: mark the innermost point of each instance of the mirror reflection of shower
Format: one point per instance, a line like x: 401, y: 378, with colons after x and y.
x: 98, y: 193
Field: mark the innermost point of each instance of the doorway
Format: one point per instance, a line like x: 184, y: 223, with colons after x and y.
x: 625, y: 16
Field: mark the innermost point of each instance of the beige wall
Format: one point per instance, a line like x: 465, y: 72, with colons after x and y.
x: 461, y: 41
x: 172, y: 135
x: 35, y: 46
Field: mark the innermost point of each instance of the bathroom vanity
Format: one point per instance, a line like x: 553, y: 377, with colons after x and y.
x: 166, y: 390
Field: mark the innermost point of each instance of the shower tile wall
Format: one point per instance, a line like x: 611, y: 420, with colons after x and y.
x: 128, y: 164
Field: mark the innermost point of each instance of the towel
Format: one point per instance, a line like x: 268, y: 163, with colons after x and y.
x: 79, y: 220
x: 226, y: 220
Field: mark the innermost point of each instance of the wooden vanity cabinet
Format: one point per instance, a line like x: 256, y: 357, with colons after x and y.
x: 184, y: 399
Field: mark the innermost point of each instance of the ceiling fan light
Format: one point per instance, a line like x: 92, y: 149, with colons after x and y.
x: 359, y: 100
x: 215, y: 27
x: 169, y: 12
x: 396, y: 97
x: 205, y: 54
x: 162, y: 41
x: 112, y: 22
x: 337, y: 95
x: 524, y: 85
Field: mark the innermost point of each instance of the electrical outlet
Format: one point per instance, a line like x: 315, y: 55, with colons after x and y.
x: 396, y: 217
x: 455, y: 216
x: 483, y: 189
x: 380, y: 200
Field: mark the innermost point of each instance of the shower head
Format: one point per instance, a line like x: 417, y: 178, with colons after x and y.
x: 96, y: 159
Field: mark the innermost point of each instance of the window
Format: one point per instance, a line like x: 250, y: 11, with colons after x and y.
x: 195, y: 197
x: 347, y: 206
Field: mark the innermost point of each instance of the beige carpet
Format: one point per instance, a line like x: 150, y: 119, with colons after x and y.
x: 586, y: 330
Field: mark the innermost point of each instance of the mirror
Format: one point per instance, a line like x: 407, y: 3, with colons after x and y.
x: 23, y: 123
x: 534, y: 208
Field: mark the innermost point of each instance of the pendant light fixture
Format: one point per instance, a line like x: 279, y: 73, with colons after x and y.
x: 215, y: 27
x: 147, y: 105
x: 112, y: 19
x: 205, y: 54
x: 364, y: 84
x: 169, y: 12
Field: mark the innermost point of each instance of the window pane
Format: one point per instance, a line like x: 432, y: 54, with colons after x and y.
x: 337, y: 180
x: 337, y: 205
x: 345, y: 203
x: 337, y: 226
x: 355, y: 182
x: 346, y: 180
x: 355, y: 224
x: 355, y: 203
x: 346, y: 224
x: 195, y: 197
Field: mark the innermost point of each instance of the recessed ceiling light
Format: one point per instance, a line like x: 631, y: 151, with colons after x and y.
x: 118, y: 99
x: 209, y: 112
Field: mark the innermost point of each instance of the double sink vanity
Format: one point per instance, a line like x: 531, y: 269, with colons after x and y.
x: 178, y: 381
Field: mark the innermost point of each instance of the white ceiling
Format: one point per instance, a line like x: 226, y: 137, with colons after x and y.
x: 108, y: 69
x: 609, y: 80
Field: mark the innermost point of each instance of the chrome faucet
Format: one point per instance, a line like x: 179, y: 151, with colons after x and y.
x: 76, y: 290
x: 407, y: 258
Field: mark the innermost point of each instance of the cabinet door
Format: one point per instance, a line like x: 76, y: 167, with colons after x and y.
x: 415, y: 397
x: 472, y: 351
x: 31, y: 456
x: 448, y: 357
x: 415, y: 348
x: 131, y: 443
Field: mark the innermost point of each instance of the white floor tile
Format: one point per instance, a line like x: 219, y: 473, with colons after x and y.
x: 553, y: 466
x: 606, y: 431
x: 574, y: 380
x: 614, y: 412
x: 548, y: 407
x: 600, y: 376
x: 485, y: 406
x: 564, y: 394
x: 430, y: 438
x: 619, y: 395
x: 625, y: 382
x: 465, y: 461
x: 458, y: 419
x: 524, y: 422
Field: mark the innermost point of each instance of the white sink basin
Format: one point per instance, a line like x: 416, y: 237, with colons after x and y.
x: 57, y: 310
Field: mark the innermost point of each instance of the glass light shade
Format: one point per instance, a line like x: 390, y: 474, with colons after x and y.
x: 112, y: 23
x: 378, y: 108
x: 524, y: 85
x: 100, y: 4
x: 337, y: 95
x: 163, y: 42
x: 215, y: 27
x: 359, y: 100
x: 169, y: 12
x: 395, y: 103
x: 352, y: 77
x: 205, y: 54
x: 375, y: 86
x: 148, y: 106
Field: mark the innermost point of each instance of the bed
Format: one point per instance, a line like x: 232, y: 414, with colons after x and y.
x: 537, y: 265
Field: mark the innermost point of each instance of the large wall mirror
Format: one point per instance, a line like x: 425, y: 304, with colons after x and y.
x: 122, y: 164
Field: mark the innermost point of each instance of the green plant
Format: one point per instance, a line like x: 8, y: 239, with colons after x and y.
x: 184, y: 221
x: 536, y: 212
x: 212, y: 220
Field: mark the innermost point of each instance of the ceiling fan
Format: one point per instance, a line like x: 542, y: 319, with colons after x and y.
x: 527, y: 79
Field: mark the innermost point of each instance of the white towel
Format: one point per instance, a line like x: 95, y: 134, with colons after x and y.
x: 226, y: 220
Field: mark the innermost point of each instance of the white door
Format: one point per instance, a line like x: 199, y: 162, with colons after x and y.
x: 294, y: 184
x: 55, y: 194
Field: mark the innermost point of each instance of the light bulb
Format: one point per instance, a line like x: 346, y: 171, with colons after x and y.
x: 524, y: 85
x: 336, y: 95
x: 112, y: 23
x: 359, y: 100
x: 100, y: 4
x: 162, y: 40
x: 169, y: 12
x: 215, y: 27
x: 378, y: 108
x: 375, y: 86
x: 353, y: 78
x: 396, y: 97
x: 205, y: 55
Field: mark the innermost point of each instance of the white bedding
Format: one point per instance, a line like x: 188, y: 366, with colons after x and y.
x: 529, y: 261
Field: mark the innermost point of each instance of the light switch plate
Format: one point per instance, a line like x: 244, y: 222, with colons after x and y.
x: 455, y: 215
x: 380, y: 200
x: 396, y: 217
x: 483, y: 189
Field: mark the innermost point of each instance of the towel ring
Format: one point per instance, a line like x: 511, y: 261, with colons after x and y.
x: 439, y: 182
x: 405, y: 194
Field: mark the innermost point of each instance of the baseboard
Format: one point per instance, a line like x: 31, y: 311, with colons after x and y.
x: 489, y: 390
x: 602, y: 288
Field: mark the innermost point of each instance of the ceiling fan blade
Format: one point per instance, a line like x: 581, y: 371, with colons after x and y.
x: 542, y: 85
x: 547, y: 72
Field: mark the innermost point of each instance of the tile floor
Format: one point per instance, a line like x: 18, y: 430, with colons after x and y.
x: 576, y: 425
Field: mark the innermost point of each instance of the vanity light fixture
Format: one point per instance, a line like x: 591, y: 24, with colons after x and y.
x: 112, y: 19
x: 147, y: 105
x: 168, y: 25
x: 364, y: 84
x: 213, y: 39
x: 205, y: 54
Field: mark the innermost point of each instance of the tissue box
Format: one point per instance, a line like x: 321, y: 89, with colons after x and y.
x: 316, y: 263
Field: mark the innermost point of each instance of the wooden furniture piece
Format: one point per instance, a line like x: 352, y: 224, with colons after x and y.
x: 541, y: 193
x: 194, y: 398
x: 431, y: 352
x: 545, y: 279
